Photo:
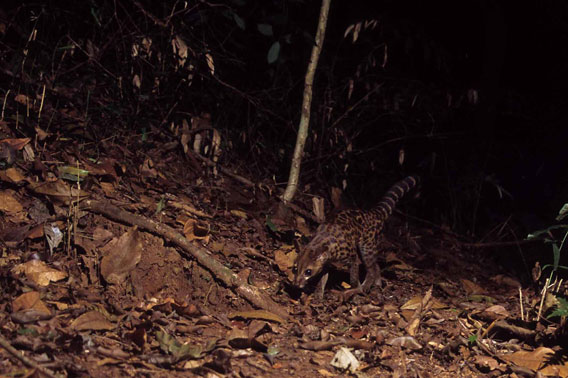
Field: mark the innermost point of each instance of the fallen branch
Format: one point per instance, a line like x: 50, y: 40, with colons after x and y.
x: 26, y: 361
x: 251, y: 184
x: 203, y: 257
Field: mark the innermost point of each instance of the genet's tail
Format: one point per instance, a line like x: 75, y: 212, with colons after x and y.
x: 387, y: 204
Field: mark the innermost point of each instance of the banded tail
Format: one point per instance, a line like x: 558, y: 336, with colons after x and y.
x: 387, y: 204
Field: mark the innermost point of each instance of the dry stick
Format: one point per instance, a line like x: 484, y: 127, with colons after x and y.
x: 27, y: 361
x: 204, y: 257
x: 500, y: 244
x: 466, y: 244
x: 225, y: 171
x: 251, y: 184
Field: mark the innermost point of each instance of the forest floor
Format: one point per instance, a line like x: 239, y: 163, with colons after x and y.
x: 160, y: 273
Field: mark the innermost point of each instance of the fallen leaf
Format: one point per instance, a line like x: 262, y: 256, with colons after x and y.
x: 345, y: 360
x: 486, y: 362
x: 121, y: 256
x: 30, y: 300
x: 9, y: 204
x: 59, y: 191
x: 193, y: 230
x: 539, y: 360
x: 285, y: 258
x: 12, y: 175
x: 406, y: 342
x: 38, y: 272
x: 495, y: 312
x: 471, y: 288
x: 239, y: 213
x: 92, y: 320
x: 256, y: 314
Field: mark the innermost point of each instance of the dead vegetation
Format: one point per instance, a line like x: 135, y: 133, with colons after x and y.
x: 142, y: 231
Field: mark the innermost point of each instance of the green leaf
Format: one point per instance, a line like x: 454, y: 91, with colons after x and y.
x: 170, y: 345
x: 273, y: 53
x: 563, y: 212
x: 537, y: 234
x: 239, y: 21
x: 161, y: 205
x: 73, y: 174
x: 271, y: 224
x: 561, y: 308
x: 265, y: 29
x: 556, y: 255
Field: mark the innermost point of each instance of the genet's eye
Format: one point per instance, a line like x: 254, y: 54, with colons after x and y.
x: 295, y: 270
x: 308, y: 272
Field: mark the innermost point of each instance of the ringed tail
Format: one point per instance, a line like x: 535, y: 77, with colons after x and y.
x: 393, y: 195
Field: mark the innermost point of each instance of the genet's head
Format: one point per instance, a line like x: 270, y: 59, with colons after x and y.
x: 310, y: 262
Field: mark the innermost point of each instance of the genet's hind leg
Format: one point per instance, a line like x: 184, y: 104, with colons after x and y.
x: 369, y: 256
x: 354, y: 273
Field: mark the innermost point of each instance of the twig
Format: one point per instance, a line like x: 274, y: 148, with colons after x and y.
x: 352, y: 107
x: 249, y: 183
x: 225, y: 171
x: 500, y: 244
x: 204, y: 257
x: 27, y: 361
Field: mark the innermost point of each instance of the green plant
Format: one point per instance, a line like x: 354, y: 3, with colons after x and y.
x: 548, y: 236
x: 561, y: 308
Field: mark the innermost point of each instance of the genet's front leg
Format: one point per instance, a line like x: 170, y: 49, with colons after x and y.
x: 320, y: 288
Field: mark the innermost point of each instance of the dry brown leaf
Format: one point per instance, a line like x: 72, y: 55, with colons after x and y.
x: 38, y: 272
x: 336, y: 197
x: 326, y: 373
x: 239, y: 338
x: 318, y: 208
x: 301, y: 226
x: 239, y: 213
x: 486, y: 362
x: 92, y: 320
x: 395, y: 261
x: 471, y: 287
x: 16, y: 143
x: 256, y: 314
x: 415, y: 302
x: 412, y: 327
x: 30, y: 300
x: 12, y: 175
x: 406, y: 342
x: 59, y: 191
x: 121, y: 256
x: 101, y: 236
x: 108, y: 189
x: 22, y: 99
x: 285, y: 260
x: 502, y: 279
x: 193, y: 230
x: 496, y: 312
x: 538, y: 360
x: 8, y: 203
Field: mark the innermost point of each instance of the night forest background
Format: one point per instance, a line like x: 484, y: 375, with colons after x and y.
x: 469, y: 95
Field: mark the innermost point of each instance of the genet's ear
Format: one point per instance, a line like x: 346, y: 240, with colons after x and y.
x: 323, y: 257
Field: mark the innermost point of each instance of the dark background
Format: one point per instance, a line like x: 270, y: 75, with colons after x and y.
x: 473, y: 93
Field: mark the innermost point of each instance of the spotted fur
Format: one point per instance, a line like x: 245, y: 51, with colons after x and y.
x: 351, y: 237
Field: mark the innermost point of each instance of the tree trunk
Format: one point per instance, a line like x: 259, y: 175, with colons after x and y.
x: 306, y: 106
